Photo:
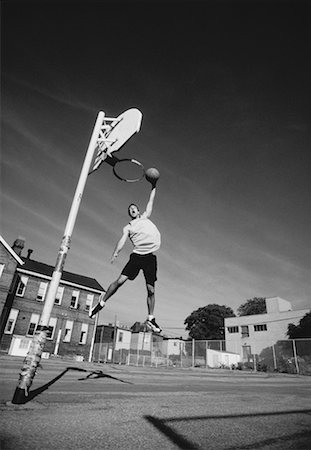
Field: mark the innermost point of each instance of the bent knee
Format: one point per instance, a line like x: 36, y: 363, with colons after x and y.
x: 121, y: 280
x: 150, y: 289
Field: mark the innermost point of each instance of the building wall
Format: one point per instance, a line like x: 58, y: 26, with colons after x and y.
x: 28, y: 305
x: 271, y: 327
x: 216, y: 359
x: 8, y: 271
x: 141, y: 342
x: 123, y: 339
x: 173, y: 346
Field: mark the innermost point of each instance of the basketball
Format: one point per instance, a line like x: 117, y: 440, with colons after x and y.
x: 152, y: 175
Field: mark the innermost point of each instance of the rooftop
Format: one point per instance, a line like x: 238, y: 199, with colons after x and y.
x: 47, y: 270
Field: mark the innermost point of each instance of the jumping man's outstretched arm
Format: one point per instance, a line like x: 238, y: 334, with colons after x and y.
x: 120, y: 244
x: 149, y: 206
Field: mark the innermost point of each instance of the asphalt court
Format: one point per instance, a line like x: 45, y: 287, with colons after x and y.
x: 82, y: 405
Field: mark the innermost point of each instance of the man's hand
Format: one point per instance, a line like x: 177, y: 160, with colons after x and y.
x: 153, y: 182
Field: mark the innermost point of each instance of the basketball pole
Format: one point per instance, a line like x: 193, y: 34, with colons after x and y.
x: 33, y: 357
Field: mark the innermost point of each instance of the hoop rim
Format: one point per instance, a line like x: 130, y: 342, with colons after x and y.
x: 133, y: 161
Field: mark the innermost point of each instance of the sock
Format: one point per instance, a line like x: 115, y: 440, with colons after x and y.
x: 150, y: 317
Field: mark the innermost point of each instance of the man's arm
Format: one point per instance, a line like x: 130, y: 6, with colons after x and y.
x: 120, y: 244
x: 149, y: 206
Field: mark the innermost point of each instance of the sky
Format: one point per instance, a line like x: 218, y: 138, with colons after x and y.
x: 224, y: 90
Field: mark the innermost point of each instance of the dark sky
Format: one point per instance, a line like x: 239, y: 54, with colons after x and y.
x: 224, y: 89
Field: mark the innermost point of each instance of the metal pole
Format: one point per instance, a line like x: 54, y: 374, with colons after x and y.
x: 274, y: 358
x: 181, y: 350
x: 114, y: 339
x: 57, y: 342
x: 93, y: 339
x: 193, y: 344
x: 295, y: 356
x: 33, y: 357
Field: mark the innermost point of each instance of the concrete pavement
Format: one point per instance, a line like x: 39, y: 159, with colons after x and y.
x: 126, y: 407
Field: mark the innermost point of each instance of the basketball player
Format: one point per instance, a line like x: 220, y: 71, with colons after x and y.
x: 146, y: 240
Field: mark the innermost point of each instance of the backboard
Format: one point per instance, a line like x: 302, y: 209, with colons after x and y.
x: 123, y: 127
x: 115, y: 132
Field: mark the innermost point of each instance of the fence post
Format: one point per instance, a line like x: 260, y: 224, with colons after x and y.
x: 193, y: 345
x: 274, y: 358
x: 295, y: 356
x: 180, y: 351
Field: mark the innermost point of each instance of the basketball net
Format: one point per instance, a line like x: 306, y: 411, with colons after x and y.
x: 103, y: 141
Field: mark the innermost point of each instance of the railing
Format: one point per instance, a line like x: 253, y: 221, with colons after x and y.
x: 288, y: 356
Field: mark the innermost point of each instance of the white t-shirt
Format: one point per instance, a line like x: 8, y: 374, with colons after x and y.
x: 144, y: 235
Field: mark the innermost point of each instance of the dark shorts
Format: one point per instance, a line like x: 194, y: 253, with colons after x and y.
x: 146, y: 263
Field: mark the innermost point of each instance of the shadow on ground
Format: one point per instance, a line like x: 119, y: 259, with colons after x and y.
x: 95, y: 374
x: 163, y: 425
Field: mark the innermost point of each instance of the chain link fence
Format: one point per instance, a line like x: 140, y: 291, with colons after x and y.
x: 286, y: 356
x: 173, y: 353
x: 290, y: 356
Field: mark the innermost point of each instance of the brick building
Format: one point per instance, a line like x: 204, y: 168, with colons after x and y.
x: 71, y: 331
x: 9, y: 259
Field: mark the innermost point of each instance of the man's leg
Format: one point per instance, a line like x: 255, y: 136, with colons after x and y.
x: 112, y: 289
x: 150, y: 299
x: 151, y: 323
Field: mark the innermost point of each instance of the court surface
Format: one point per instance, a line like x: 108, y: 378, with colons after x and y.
x: 100, y: 406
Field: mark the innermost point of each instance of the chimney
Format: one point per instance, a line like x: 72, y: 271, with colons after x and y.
x: 29, y: 252
x: 18, y: 245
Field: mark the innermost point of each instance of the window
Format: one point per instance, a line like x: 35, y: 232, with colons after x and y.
x: 1, y: 269
x: 234, y: 329
x: 74, y: 299
x: 42, y: 291
x: 22, y: 286
x: 247, y: 351
x: 34, y: 320
x: 120, y: 338
x: 83, y: 335
x: 24, y: 344
x: 59, y: 295
x: 9, y: 328
x: 68, y: 331
x: 245, y: 331
x: 89, y: 302
x: 261, y: 327
x: 51, y: 328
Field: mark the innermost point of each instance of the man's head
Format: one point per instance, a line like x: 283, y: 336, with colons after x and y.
x: 133, y: 211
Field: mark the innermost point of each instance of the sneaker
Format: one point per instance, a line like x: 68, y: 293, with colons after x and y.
x: 97, y: 308
x: 153, y: 326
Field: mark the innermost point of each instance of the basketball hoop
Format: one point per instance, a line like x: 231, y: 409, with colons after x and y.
x: 127, y: 169
x: 113, y: 134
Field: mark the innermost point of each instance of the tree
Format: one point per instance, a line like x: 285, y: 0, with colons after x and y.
x: 303, y: 330
x: 256, y: 305
x: 208, y: 322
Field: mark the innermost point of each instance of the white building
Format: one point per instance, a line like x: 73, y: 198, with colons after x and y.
x: 249, y: 335
x: 173, y: 346
x: 123, y: 339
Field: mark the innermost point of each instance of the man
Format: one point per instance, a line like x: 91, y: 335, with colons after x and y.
x: 146, y: 240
